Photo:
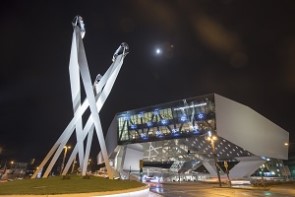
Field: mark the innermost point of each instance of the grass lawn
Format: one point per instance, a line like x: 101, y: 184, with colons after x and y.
x: 58, y: 185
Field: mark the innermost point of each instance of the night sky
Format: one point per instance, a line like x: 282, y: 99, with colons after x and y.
x: 243, y: 50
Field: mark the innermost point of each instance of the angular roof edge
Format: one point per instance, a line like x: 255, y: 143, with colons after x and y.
x: 250, y: 130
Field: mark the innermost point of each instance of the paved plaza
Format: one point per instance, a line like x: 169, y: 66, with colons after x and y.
x: 212, y: 190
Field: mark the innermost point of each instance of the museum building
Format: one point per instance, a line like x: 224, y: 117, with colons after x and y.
x: 209, y: 132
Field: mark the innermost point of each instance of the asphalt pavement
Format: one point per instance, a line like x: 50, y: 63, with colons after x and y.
x: 212, y: 190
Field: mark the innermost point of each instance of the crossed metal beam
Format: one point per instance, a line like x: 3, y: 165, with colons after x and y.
x: 96, y: 95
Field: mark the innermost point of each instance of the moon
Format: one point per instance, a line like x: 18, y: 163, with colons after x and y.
x: 158, y: 51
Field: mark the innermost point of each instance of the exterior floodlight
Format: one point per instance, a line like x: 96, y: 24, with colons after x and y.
x: 201, y: 116
x: 159, y: 134
x: 183, y: 118
x: 164, y: 121
x: 149, y: 124
x: 133, y: 126
x: 144, y: 136
x: 175, y: 132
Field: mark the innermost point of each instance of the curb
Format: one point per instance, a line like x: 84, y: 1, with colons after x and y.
x: 91, y: 194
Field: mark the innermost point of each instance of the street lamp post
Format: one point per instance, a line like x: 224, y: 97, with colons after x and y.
x: 89, y: 164
x: 64, y: 158
x: 212, y: 139
x: 73, y: 165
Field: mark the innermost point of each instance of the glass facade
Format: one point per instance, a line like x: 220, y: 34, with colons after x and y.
x: 178, y: 119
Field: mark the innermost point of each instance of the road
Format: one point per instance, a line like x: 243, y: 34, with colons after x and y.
x: 212, y: 190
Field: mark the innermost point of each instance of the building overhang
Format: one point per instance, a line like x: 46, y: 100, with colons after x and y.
x: 248, y: 129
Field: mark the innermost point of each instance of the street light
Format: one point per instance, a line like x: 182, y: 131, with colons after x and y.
x: 64, y: 158
x: 212, y: 139
x: 11, y: 164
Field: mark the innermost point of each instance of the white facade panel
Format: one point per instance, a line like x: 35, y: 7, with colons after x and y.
x: 111, y: 137
x: 132, y: 158
x: 248, y: 129
x: 246, y: 167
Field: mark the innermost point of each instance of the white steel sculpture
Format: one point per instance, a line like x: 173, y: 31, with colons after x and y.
x: 96, y: 95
